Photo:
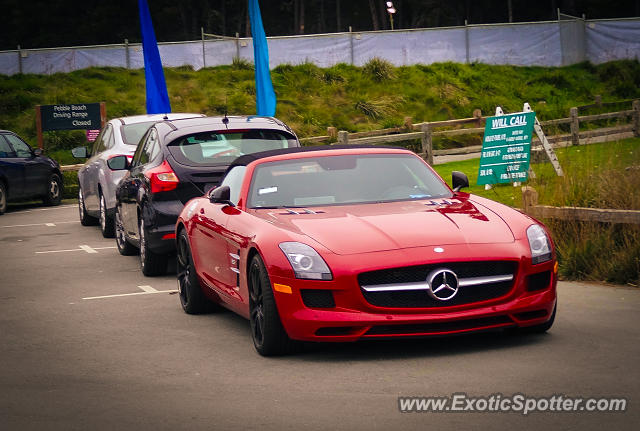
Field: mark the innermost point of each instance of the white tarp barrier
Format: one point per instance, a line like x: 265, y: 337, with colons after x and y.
x: 544, y: 44
x: 9, y: 63
x: 324, y: 51
x: 612, y: 40
x: 517, y: 44
x: 403, y: 48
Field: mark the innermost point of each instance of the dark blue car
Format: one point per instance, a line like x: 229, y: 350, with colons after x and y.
x: 26, y: 174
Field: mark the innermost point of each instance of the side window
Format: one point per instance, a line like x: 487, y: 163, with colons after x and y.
x: 110, y: 139
x: 101, y: 143
x: 96, y: 143
x: 5, y: 149
x: 137, y: 156
x: 151, y: 148
x: 19, y: 146
x: 234, y: 180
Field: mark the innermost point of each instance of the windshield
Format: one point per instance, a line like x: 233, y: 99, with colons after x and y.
x: 132, y: 133
x: 344, y: 179
x: 222, y: 147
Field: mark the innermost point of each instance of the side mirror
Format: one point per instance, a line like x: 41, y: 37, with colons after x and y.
x: 118, y: 163
x: 221, y: 195
x: 459, y: 180
x: 38, y: 152
x: 80, y: 152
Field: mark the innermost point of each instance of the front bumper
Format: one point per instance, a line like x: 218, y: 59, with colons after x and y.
x: 353, y: 318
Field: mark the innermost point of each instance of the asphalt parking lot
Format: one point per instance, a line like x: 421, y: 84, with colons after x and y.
x: 88, y: 342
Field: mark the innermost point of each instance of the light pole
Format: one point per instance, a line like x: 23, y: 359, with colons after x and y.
x: 391, y: 11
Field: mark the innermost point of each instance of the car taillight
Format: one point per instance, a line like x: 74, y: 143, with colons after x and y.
x: 162, y: 178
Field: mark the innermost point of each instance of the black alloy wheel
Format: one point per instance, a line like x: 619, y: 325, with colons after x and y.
x: 192, y: 298
x: 54, y: 191
x: 124, y: 248
x: 267, y: 332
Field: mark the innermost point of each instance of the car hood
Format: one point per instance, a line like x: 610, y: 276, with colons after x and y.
x: 353, y: 229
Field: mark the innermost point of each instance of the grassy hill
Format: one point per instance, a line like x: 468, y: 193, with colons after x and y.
x: 310, y: 98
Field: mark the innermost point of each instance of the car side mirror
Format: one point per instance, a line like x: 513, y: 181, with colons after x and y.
x: 80, y: 152
x: 459, y: 180
x: 118, y: 163
x: 221, y: 195
x: 38, y: 152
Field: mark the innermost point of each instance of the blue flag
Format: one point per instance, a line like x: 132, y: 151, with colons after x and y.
x: 265, y: 96
x: 157, y: 96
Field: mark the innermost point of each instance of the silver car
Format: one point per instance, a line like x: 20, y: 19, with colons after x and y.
x: 96, y: 180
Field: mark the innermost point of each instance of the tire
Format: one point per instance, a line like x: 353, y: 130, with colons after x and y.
x: 124, y: 248
x: 85, y: 219
x: 151, y: 264
x: 267, y: 332
x: 54, y: 191
x: 192, y: 299
x: 3, y: 198
x: 107, y: 225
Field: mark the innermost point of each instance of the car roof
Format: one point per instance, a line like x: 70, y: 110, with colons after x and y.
x: 133, y: 119
x: 328, y: 150
x: 181, y: 127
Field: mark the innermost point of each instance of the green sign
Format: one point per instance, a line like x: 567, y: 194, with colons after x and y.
x: 71, y: 117
x: 506, y: 148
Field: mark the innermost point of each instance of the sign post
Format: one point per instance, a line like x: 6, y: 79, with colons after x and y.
x: 506, y: 148
x: 76, y: 116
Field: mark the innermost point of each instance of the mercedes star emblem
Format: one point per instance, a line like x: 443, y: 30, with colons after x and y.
x: 443, y: 284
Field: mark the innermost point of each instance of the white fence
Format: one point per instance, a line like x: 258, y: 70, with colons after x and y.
x: 550, y: 43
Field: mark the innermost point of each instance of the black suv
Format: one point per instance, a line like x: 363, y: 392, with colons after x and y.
x: 175, y: 161
x: 26, y: 174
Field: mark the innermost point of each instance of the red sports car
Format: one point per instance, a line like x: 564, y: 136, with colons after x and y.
x: 341, y: 244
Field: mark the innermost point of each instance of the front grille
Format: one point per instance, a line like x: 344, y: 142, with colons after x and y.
x: 441, y: 327
x: 421, y: 299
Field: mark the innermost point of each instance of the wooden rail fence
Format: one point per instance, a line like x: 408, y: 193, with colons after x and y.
x: 531, y: 207
x: 426, y: 131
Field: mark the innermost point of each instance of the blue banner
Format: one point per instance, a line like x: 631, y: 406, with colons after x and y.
x: 265, y: 96
x: 157, y: 96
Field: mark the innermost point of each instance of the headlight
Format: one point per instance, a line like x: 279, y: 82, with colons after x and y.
x: 305, y: 261
x: 539, y: 244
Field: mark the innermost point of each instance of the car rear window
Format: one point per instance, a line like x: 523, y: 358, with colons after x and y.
x: 132, y: 133
x: 222, y: 147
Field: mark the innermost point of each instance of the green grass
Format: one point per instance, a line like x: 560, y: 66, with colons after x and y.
x: 310, y: 98
x: 596, y: 176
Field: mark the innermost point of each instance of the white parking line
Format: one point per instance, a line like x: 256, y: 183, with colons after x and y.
x: 146, y: 290
x: 88, y: 249
x: 55, y: 223
x: 83, y: 247
x: 60, y: 207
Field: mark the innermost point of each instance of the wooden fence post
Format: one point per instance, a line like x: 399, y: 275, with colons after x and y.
x: 427, y: 143
x: 529, y: 199
x: 636, y: 118
x: 332, y: 132
x: 477, y: 114
x: 408, y: 123
x: 343, y: 137
x: 575, y: 127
